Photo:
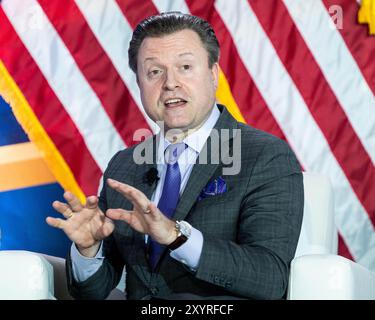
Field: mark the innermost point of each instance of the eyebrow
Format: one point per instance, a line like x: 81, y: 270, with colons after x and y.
x: 186, y: 53
x: 180, y: 55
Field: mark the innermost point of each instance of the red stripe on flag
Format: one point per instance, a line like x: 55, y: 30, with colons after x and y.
x: 245, y: 93
x: 357, y: 38
x: 320, y: 99
x: 343, y: 249
x: 96, y: 67
x: 48, y: 108
x: 135, y: 11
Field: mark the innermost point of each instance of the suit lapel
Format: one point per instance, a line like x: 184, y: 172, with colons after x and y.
x: 141, y: 265
x: 199, y: 177
x: 139, y: 256
x: 140, y: 180
x: 202, y: 172
x: 138, y: 175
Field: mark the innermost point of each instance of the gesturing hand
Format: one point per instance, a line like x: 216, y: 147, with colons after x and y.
x: 145, y: 216
x: 85, y: 225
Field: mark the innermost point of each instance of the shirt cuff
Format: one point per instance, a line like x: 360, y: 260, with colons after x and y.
x: 190, y: 252
x: 84, y: 267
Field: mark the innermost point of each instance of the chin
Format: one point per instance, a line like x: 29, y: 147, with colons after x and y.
x: 177, y: 124
x: 171, y: 126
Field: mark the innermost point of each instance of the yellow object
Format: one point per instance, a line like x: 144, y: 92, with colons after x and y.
x: 224, y: 96
x: 21, y: 166
x: 30, y: 123
x: 366, y: 14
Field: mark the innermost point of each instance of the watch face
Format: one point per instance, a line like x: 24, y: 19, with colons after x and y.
x: 185, y: 228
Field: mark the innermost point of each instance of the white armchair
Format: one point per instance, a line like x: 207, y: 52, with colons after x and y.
x: 25, y: 276
x: 317, y: 272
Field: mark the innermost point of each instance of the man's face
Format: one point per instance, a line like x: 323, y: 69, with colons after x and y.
x: 177, y: 86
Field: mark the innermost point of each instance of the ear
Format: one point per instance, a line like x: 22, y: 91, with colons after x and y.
x: 215, y: 74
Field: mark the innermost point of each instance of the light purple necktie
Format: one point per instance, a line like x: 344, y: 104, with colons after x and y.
x: 170, y: 195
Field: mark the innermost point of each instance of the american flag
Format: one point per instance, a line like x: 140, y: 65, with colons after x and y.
x: 303, y: 70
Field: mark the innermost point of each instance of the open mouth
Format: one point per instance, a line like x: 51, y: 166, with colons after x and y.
x: 175, y: 102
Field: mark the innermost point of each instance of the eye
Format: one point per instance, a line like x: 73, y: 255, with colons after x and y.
x: 154, y: 73
x: 186, y: 67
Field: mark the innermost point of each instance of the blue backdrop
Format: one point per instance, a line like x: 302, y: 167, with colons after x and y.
x: 23, y: 211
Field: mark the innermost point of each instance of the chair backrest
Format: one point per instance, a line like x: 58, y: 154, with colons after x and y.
x: 318, y: 233
x: 25, y: 276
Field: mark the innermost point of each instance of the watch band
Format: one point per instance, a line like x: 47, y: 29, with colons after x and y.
x: 180, y: 240
x: 183, y: 230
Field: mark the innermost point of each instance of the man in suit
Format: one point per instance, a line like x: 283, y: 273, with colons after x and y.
x: 208, y: 208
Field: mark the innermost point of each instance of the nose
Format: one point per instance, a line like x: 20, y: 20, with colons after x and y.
x: 171, y: 82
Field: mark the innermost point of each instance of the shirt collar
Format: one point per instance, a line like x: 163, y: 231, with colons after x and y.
x: 196, y: 140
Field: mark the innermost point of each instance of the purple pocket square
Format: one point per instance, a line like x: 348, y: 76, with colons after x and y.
x: 213, y: 188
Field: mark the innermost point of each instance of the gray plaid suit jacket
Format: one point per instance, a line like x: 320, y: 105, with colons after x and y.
x: 250, y: 231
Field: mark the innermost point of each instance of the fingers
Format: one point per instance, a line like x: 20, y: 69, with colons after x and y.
x: 56, y: 222
x: 73, y: 201
x: 92, y: 202
x: 152, y: 209
x: 62, y: 208
x: 138, y: 199
x: 74, y: 204
x: 119, y: 214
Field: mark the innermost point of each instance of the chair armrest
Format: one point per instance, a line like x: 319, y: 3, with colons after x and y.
x: 25, y: 276
x: 61, y: 287
x: 59, y: 275
x: 329, y: 277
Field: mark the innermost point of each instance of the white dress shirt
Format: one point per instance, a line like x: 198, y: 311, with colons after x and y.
x: 188, y: 253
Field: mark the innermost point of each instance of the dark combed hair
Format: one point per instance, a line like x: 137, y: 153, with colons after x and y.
x: 170, y: 22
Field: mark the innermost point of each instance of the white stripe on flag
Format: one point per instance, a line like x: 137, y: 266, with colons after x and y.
x: 65, y: 79
x: 338, y: 66
x: 114, y: 33
x: 176, y: 5
x: 290, y: 110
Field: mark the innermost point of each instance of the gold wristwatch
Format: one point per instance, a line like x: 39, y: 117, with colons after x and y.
x: 183, y: 230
